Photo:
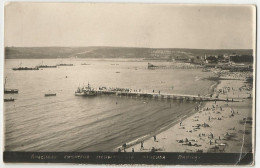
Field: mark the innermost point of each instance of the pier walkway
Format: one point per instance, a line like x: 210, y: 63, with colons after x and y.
x: 164, y: 96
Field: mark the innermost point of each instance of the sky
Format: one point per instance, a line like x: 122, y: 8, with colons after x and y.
x: 130, y: 25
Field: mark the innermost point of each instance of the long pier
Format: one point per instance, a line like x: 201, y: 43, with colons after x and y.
x: 163, y: 96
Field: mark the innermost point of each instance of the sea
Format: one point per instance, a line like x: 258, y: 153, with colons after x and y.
x: 69, y: 123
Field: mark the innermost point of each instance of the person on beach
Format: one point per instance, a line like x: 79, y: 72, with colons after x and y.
x: 180, y: 123
x: 159, y: 92
x: 142, y: 145
x: 119, y: 150
x: 133, y: 150
x: 154, y: 138
x: 210, y: 142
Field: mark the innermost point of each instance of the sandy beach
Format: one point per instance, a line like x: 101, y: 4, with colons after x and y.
x: 214, y: 127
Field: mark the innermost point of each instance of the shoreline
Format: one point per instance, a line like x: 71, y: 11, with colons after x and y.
x: 208, y: 129
x: 148, y: 136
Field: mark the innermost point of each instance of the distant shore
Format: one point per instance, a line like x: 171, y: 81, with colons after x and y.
x: 213, y: 127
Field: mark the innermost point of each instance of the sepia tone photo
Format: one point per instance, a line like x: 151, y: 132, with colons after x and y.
x: 129, y: 83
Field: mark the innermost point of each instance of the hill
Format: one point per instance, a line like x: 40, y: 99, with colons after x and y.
x: 113, y: 52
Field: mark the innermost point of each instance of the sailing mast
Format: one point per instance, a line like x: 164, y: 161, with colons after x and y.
x: 5, y: 83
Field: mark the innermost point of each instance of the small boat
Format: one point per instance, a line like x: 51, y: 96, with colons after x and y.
x: 85, y: 91
x: 9, y: 91
x: 85, y: 64
x: 50, y: 94
x: 9, y: 100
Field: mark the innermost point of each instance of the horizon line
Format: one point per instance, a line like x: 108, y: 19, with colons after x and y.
x: 128, y: 47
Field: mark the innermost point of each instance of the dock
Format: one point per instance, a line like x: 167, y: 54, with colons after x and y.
x: 164, y: 96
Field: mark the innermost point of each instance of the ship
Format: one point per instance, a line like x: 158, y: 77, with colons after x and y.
x: 46, y: 66
x: 50, y: 94
x: 20, y: 68
x: 9, y: 91
x: 9, y: 100
x: 25, y: 68
x: 85, y: 91
x: 64, y: 65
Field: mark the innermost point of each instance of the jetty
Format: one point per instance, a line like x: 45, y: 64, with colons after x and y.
x: 164, y: 96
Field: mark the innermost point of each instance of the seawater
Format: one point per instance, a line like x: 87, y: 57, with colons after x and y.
x: 70, y: 123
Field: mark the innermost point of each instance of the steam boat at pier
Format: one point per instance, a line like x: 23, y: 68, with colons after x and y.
x: 85, y: 91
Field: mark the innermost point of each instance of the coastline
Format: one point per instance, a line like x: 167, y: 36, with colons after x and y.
x: 215, y: 127
x: 149, y: 136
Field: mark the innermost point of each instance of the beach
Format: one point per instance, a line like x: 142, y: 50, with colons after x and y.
x: 219, y: 126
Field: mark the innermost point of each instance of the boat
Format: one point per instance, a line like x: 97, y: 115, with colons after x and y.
x: 9, y: 91
x: 50, y: 94
x: 64, y: 65
x: 9, y: 100
x: 20, y: 68
x: 47, y: 66
x: 25, y: 68
x: 85, y: 91
x: 85, y: 64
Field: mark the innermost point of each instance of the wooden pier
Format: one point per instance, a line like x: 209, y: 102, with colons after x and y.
x: 164, y: 96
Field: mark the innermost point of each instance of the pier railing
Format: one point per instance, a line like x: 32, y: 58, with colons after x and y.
x: 163, y: 96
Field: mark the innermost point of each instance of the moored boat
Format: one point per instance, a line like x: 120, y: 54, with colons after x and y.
x: 85, y: 91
